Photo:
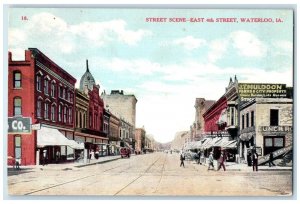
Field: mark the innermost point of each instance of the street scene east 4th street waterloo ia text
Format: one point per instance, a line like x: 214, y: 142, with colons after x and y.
x: 114, y: 102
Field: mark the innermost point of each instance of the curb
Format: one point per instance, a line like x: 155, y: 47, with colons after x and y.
x: 100, y: 162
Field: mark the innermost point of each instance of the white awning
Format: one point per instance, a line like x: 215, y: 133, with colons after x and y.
x: 53, y: 137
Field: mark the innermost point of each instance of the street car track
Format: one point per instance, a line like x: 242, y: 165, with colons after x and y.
x: 61, y: 184
x: 141, y: 174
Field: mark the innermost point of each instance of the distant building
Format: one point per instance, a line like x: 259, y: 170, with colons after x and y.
x: 121, y: 104
x: 140, y: 135
x: 201, y: 106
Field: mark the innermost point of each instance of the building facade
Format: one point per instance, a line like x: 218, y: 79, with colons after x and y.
x: 140, y: 135
x: 197, y: 129
x: 114, y: 134
x: 121, y: 104
x: 44, y: 92
x: 266, y: 125
x: 95, y: 135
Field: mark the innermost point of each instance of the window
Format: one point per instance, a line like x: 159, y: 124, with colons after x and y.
x: 39, y: 109
x: 91, y: 120
x: 18, y: 149
x: 70, y: 115
x: 65, y: 114
x: 252, y: 118
x: 17, y: 79
x: 278, y: 142
x: 38, y: 83
x: 232, y: 116
x: 274, y: 117
x: 268, y: 142
x: 53, y: 109
x: 17, y: 106
x: 71, y: 97
x: 59, y: 113
x: 243, y: 121
x: 46, y: 110
x: 46, y: 86
x: 68, y: 96
x: 60, y: 91
x: 63, y: 93
x: 247, y: 120
x: 53, y: 87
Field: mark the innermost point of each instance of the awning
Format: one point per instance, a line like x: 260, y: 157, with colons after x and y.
x: 53, y: 137
x: 230, y: 144
x: 223, y: 117
x: 221, y: 142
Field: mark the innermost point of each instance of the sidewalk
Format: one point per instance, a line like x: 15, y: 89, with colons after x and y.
x: 232, y: 166
x: 69, y: 166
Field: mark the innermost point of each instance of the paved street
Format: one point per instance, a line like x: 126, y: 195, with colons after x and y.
x: 149, y: 174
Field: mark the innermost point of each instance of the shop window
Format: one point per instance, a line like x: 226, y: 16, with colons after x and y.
x: 268, y: 142
x: 278, y: 142
x: 17, y: 79
x: 274, y: 117
x: 18, y: 145
x: 17, y: 106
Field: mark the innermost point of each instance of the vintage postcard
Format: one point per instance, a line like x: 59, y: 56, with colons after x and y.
x: 150, y: 102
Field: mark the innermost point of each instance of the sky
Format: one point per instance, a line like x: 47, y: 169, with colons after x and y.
x: 166, y: 65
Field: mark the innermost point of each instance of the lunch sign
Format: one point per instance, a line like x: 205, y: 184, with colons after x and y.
x: 256, y: 90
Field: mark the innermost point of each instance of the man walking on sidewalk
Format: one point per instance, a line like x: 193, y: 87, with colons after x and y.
x: 221, y: 161
x: 182, y: 158
x: 211, y: 161
x: 271, y: 160
x: 255, y: 160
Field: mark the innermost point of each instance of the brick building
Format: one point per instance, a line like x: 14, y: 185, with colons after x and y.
x: 43, y: 92
x: 93, y: 134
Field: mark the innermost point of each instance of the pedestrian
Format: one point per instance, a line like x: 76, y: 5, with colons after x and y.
x: 221, y: 161
x: 199, y: 157
x: 44, y: 157
x: 254, y: 161
x: 271, y: 160
x: 249, y: 159
x: 57, y: 156
x: 211, y: 161
x: 182, y: 158
x: 17, y: 163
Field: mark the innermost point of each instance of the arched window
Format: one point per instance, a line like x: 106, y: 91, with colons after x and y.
x: 39, y: 109
x: 17, y: 106
x: 38, y: 83
x: 70, y: 115
x: 46, y: 110
x: 53, y: 89
x: 65, y: 114
x: 53, y: 111
x: 17, y: 79
x: 59, y: 112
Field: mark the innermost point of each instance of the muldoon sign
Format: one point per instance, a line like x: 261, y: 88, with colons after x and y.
x: 19, y: 125
x: 256, y: 90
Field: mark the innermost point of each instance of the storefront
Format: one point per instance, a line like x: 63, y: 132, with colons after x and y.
x: 54, y: 147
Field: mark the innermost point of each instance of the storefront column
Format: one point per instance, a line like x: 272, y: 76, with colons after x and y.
x: 37, y: 157
x: 85, y: 155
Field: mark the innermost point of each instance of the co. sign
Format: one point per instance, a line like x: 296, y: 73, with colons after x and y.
x: 19, y: 125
